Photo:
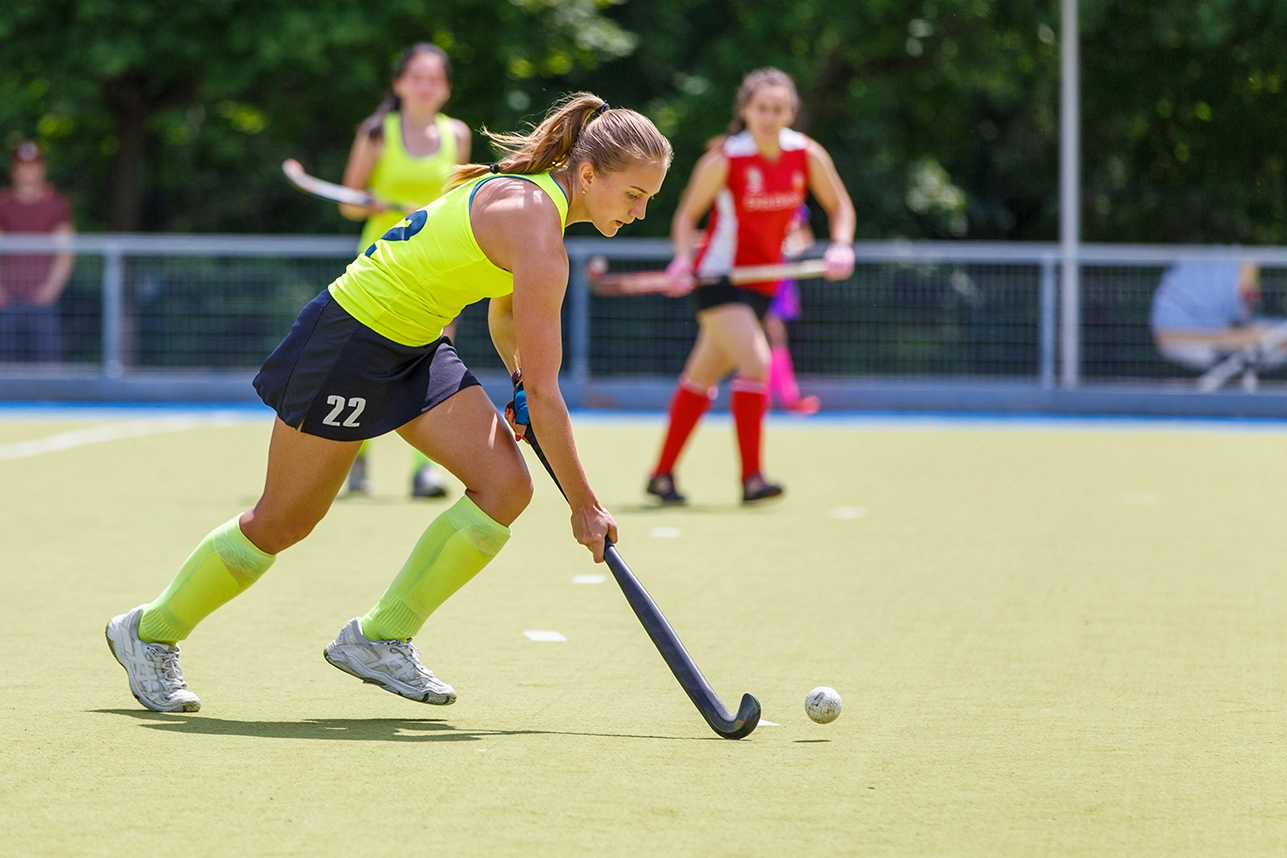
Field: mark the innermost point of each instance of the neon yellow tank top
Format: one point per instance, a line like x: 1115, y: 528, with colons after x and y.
x: 404, y: 178
x: 420, y: 274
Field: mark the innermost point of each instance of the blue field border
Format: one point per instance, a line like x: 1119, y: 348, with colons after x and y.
x: 255, y: 412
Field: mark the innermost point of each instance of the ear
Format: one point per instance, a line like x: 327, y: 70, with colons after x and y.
x: 585, y: 172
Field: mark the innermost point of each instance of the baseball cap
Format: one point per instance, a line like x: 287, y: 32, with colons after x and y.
x: 27, y: 151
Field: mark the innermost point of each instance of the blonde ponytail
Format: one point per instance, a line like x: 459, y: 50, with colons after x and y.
x: 579, y: 127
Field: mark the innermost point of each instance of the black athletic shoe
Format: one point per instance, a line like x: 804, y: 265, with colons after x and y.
x: 756, y: 488
x: 663, y: 486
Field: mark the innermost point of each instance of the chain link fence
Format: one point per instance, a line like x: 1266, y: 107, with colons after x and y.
x: 910, y: 310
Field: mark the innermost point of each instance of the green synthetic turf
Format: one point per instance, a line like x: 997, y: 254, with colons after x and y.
x: 1059, y: 641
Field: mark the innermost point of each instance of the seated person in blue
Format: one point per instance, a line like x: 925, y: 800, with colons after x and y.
x: 1202, y: 315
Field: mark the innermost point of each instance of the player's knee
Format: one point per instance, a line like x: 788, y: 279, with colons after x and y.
x: 518, y: 493
x: 505, y: 496
x: 273, y: 535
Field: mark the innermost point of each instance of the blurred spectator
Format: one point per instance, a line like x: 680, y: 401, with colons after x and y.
x: 1202, y: 319
x: 30, y: 285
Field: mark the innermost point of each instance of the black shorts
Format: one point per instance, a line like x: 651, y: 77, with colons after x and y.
x: 723, y: 292
x: 335, y: 378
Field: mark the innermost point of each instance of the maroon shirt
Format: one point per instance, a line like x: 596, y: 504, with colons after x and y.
x: 21, y: 276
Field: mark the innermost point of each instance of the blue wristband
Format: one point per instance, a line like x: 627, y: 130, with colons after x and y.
x: 520, y: 407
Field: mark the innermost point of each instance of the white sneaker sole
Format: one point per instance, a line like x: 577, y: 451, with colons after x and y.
x: 338, y: 660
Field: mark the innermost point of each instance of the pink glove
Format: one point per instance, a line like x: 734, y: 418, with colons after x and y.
x: 840, y: 261
x: 680, y: 272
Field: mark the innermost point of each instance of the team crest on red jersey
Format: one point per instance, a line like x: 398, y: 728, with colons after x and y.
x: 754, y: 181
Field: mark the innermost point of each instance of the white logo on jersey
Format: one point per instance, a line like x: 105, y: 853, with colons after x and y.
x: 754, y: 181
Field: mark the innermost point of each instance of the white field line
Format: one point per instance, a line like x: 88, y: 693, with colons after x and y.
x: 103, y: 433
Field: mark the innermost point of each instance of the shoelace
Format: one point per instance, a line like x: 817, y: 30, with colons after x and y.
x: 411, y: 653
x: 167, y: 663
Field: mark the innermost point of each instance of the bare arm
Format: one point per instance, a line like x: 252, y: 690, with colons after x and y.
x: 518, y: 228
x: 363, y: 157
x: 830, y: 192
x: 500, y: 322
x: 703, y: 186
x: 825, y: 183
x: 463, y: 141
x: 59, y: 274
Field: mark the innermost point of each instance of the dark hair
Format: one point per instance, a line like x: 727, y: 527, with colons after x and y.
x: 579, y: 127
x: 373, y: 125
x: 760, y: 77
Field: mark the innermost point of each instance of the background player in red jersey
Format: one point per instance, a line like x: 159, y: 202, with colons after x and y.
x: 755, y: 179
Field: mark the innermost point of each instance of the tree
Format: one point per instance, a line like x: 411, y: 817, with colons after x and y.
x: 193, y: 106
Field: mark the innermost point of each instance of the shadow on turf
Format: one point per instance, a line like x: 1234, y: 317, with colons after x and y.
x: 350, y: 729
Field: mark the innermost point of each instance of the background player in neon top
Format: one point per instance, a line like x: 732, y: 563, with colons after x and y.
x: 367, y: 357
x: 755, y: 180
x: 406, y: 151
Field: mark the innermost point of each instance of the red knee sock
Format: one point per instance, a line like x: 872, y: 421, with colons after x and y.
x: 749, y: 401
x: 686, y: 408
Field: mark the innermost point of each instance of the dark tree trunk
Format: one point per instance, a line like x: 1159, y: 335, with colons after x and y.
x: 133, y: 98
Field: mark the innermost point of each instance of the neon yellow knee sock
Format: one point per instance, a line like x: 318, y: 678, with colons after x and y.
x: 454, y: 548
x: 221, y: 567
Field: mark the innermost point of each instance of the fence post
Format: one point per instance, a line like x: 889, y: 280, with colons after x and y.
x: 578, y: 330
x: 1070, y: 319
x: 1070, y: 194
x: 1046, y: 324
x: 113, y: 310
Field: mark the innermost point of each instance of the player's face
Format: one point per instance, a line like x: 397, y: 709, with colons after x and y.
x: 423, y: 84
x: 27, y: 173
x: 613, y: 200
x: 768, y: 111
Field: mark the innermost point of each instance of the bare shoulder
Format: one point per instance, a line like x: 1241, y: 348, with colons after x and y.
x: 514, y: 199
x: 511, y: 217
x: 816, y: 151
x: 712, y: 162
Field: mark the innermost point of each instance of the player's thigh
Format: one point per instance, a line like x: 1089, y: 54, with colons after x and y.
x: 737, y: 332
x: 707, y: 363
x: 305, y: 473
x: 467, y: 436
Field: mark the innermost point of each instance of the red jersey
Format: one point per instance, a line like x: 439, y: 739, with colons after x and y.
x: 752, y: 214
x: 22, y: 275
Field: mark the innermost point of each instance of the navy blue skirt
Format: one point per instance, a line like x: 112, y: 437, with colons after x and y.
x: 723, y: 292
x: 336, y: 378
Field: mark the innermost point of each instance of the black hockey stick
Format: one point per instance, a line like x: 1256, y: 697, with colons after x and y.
x: 667, y: 642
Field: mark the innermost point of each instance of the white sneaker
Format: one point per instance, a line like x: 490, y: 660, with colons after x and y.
x: 393, y: 665
x: 359, y: 482
x: 428, y: 483
x: 153, y: 668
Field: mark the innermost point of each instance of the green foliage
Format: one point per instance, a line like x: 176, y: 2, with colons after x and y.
x: 225, y: 90
x: 942, y: 115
